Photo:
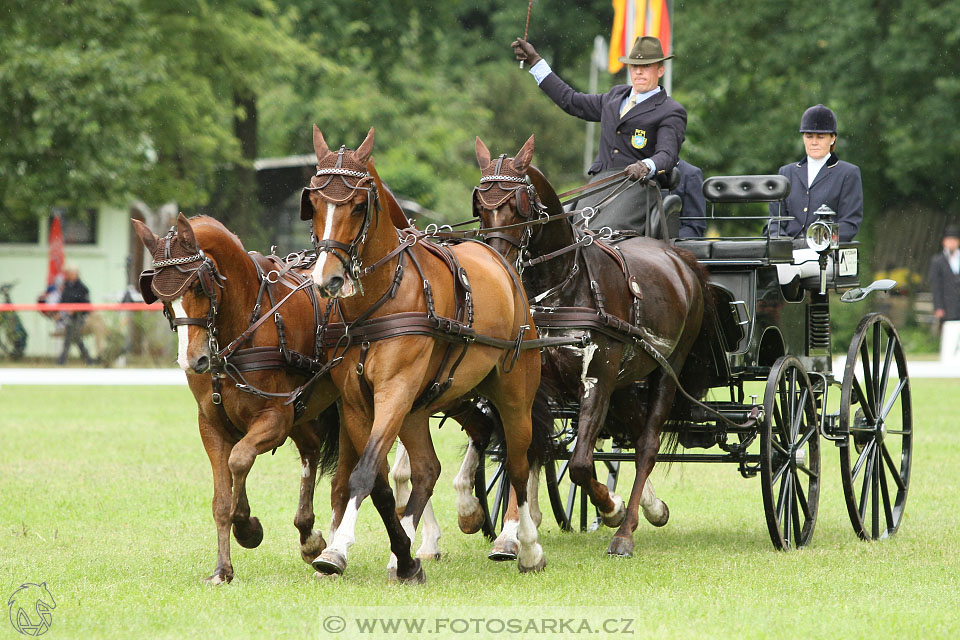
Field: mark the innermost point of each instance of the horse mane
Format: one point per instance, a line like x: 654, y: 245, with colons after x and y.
x: 388, y: 200
x: 210, y: 232
x: 545, y: 191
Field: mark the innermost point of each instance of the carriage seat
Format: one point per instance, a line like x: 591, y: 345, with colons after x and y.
x: 741, y: 189
x: 775, y: 250
x: 672, y: 205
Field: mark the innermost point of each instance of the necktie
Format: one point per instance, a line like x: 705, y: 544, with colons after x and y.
x: 630, y: 103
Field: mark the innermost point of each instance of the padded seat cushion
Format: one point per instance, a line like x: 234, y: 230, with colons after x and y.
x: 733, y: 249
x: 699, y: 248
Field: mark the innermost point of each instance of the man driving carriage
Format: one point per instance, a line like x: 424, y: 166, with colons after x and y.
x: 641, y: 129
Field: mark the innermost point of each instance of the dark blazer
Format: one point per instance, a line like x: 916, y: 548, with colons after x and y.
x: 945, y: 287
x: 690, y: 191
x: 837, y: 185
x: 652, y: 129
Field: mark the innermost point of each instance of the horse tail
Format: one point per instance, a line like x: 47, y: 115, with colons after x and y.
x: 327, y: 430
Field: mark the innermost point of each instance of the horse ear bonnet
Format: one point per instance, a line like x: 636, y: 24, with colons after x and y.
x: 339, y: 176
x: 175, y: 267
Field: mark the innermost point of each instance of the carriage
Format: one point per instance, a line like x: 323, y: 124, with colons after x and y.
x: 775, y: 395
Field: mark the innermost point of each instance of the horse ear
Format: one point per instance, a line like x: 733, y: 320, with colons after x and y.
x: 522, y: 160
x: 147, y: 237
x: 319, y: 144
x: 483, y: 154
x: 366, y: 148
x: 185, y: 231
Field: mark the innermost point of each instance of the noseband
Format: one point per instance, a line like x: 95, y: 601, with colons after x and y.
x: 345, y: 253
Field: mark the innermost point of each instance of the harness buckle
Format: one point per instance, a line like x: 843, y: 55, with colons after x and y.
x: 216, y: 398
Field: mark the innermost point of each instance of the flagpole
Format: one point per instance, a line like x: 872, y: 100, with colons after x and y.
x: 668, y: 74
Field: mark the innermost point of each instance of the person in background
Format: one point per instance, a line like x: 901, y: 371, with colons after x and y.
x: 944, y: 276
x: 74, y: 291
x: 641, y: 127
x: 690, y: 191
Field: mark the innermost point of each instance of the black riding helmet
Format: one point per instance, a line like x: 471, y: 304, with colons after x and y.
x: 818, y: 119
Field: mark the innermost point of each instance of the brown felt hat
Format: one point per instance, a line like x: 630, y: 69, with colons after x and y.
x: 646, y: 50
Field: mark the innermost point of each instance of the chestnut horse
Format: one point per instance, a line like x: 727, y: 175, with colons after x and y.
x: 640, y: 294
x: 212, y: 291
x: 425, y: 325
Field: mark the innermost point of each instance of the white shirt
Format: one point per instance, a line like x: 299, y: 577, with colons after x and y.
x: 814, y: 166
x: 953, y: 259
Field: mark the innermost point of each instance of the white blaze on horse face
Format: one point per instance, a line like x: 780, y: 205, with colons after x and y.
x: 327, y: 230
x: 183, y: 338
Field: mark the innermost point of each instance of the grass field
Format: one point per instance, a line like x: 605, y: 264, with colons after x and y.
x: 105, y: 495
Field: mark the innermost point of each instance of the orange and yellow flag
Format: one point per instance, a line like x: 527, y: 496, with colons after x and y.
x: 635, y: 18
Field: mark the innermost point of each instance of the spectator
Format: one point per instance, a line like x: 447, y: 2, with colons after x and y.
x: 945, y: 276
x: 74, y: 291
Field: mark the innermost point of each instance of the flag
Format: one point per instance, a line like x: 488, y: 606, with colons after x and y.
x: 635, y: 18
x: 55, y: 258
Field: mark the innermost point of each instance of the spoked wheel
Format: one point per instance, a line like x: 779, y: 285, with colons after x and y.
x: 876, y: 415
x: 789, y: 455
x: 571, y: 505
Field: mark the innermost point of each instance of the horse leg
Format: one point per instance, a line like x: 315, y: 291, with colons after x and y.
x: 469, y: 511
x: 400, y: 476
x: 265, y: 433
x: 365, y: 479
x: 425, y: 470
x: 647, y: 443
x: 507, y: 544
x: 311, y: 540
x: 340, y: 485
x: 218, y: 450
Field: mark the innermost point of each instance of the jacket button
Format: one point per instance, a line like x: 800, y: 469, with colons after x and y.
x: 618, y: 131
x: 804, y: 209
x: 616, y: 150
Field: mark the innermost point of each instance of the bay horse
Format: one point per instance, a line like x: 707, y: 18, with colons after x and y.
x: 640, y: 291
x: 424, y: 325
x: 214, y: 292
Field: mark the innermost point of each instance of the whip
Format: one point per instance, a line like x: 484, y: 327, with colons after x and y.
x: 526, y: 29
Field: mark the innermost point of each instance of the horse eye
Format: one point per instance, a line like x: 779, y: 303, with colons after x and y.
x: 360, y: 208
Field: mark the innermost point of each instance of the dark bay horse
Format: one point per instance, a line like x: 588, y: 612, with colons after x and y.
x: 425, y: 325
x: 213, y: 290
x: 641, y: 288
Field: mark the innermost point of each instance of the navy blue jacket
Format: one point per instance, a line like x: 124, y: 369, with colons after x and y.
x: 837, y: 185
x: 652, y: 129
x: 690, y: 191
x: 945, y: 287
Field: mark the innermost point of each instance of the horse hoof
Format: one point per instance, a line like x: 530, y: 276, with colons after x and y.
x: 330, y: 562
x: 313, y: 547
x: 504, y: 551
x: 417, y: 577
x: 620, y: 547
x: 658, y: 520
x: 250, y: 534
x: 615, y: 518
x: 471, y: 523
x: 536, y: 568
x: 218, y: 578
x: 430, y: 556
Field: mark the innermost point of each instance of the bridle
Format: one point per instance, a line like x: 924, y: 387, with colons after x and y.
x: 347, y: 254
x: 210, y: 282
x: 526, y: 204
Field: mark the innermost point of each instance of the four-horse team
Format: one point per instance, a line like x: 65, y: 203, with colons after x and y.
x: 587, y: 304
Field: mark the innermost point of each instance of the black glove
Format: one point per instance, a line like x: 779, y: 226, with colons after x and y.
x: 524, y: 51
x: 638, y: 170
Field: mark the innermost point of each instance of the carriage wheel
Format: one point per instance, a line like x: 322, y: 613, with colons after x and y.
x: 876, y: 415
x: 789, y: 455
x: 499, y: 486
x: 569, y: 502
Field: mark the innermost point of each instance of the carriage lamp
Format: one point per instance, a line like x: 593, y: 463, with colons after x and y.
x: 824, y: 234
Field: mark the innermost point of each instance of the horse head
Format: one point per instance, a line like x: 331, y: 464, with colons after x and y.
x: 505, y: 197
x: 342, y: 203
x: 186, y: 277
